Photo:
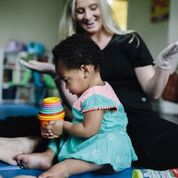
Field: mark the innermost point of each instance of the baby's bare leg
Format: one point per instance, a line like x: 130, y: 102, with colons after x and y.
x: 42, y: 160
x: 69, y: 167
x: 11, y: 147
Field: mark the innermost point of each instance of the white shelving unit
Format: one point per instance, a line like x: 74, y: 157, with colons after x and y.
x: 1, y: 72
x: 16, y: 71
x: 12, y: 71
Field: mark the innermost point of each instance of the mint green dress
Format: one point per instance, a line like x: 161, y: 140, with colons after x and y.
x: 111, y: 145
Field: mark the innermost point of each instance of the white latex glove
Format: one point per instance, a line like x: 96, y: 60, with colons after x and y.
x: 168, y: 57
x: 24, y: 176
x: 42, y: 67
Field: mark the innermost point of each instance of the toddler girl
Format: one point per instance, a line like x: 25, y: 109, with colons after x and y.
x: 97, y: 135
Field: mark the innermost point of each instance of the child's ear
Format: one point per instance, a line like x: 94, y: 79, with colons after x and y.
x: 85, y: 69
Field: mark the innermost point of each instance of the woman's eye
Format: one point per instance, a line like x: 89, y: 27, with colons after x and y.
x: 94, y: 7
x: 65, y: 80
x: 79, y: 11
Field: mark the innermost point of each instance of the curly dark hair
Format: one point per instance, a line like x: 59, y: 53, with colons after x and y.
x: 77, y: 50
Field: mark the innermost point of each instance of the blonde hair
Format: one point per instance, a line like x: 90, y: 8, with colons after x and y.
x: 68, y: 25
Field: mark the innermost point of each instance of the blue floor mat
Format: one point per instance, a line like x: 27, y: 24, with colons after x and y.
x: 17, y: 109
x: 7, y: 171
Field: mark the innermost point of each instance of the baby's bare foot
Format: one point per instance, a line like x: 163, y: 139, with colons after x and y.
x: 11, y: 147
x: 36, y: 160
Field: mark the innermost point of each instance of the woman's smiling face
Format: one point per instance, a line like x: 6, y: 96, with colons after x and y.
x: 88, y: 15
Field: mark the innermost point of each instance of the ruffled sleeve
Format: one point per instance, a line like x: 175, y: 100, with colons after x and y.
x: 98, y: 102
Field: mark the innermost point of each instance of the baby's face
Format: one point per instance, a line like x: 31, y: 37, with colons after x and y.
x: 74, y: 79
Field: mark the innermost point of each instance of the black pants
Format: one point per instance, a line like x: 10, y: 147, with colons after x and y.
x: 155, y: 140
x: 19, y: 126
x: 23, y: 127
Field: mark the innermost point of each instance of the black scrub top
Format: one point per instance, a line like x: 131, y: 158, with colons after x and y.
x: 122, y: 54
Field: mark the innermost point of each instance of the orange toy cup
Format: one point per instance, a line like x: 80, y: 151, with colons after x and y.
x: 51, y: 100
x: 51, y: 110
x: 47, y: 118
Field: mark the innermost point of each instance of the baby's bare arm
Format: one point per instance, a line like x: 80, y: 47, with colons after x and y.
x: 89, y: 127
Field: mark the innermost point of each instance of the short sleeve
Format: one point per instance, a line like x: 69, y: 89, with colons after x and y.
x: 138, y: 52
x: 97, y: 102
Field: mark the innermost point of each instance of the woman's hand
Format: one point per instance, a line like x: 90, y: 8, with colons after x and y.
x: 42, y: 67
x: 168, y: 57
x: 154, y: 79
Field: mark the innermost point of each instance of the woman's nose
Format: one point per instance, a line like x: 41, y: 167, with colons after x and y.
x: 88, y: 14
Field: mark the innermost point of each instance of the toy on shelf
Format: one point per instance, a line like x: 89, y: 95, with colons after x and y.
x: 24, y: 84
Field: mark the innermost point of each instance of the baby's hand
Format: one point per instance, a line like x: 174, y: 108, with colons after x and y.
x: 52, y: 129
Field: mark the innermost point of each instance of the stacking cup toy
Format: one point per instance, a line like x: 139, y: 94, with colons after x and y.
x: 51, y: 109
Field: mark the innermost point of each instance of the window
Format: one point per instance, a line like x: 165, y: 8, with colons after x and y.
x: 119, y: 8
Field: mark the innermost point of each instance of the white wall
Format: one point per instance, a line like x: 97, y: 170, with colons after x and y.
x: 155, y: 35
x: 173, y: 22
x: 28, y: 20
